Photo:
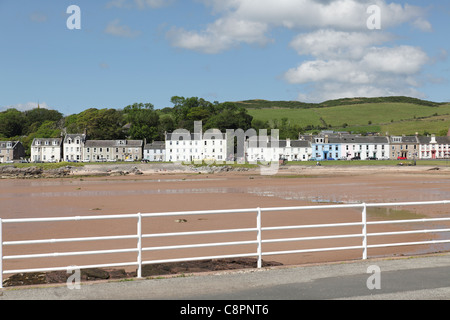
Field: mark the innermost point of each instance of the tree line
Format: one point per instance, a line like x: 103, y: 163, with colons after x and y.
x: 136, y: 121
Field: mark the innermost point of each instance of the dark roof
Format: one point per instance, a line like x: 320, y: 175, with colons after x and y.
x: 362, y: 139
x: 405, y: 139
x: 113, y: 143
x: 4, y: 143
x: 50, y: 141
x: 267, y: 142
x: 155, y: 145
x: 74, y: 136
x: 439, y: 140
x: 183, y: 136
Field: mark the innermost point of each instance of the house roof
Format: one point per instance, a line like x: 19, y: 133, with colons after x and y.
x: 155, y: 145
x: 269, y: 143
x: 3, y: 144
x: 362, y: 139
x: 49, y: 140
x: 439, y: 140
x: 113, y: 143
x: 75, y: 136
x: 183, y: 136
x: 405, y: 139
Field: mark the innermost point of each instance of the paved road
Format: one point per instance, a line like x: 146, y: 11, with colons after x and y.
x: 416, y: 278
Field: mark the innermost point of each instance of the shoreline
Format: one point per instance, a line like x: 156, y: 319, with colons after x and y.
x: 11, y: 172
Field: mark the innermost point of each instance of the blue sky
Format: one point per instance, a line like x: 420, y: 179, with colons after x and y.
x: 131, y: 51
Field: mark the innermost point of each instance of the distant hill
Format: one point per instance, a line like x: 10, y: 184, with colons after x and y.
x: 395, y: 115
x: 258, y: 103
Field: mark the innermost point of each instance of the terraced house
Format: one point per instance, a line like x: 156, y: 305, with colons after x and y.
x: 73, y: 147
x: 326, y: 147
x: 263, y: 149
x: 46, y: 150
x: 155, y: 151
x: 404, y: 147
x: 433, y: 147
x: 11, y: 151
x: 191, y: 147
x: 369, y: 147
x: 112, y: 150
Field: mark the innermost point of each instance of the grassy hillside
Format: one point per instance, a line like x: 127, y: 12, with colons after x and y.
x: 396, y: 115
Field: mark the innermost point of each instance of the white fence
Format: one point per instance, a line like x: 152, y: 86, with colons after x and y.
x: 258, y: 241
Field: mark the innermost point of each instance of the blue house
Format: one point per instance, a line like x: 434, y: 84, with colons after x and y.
x: 325, y: 148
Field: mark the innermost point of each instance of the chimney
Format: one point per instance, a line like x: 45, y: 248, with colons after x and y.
x: 433, y: 139
x: 326, y: 139
x: 288, y: 143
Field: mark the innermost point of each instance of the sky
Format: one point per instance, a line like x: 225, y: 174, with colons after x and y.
x: 113, y: 53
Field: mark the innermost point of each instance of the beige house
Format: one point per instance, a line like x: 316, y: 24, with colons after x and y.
x: 112, y: 150
x: 10, y: 151
x: 404, y: 147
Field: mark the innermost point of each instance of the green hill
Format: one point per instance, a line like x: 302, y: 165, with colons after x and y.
x: 396, y: 115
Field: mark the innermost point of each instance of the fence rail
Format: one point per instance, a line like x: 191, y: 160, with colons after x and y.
x: 258, y: 241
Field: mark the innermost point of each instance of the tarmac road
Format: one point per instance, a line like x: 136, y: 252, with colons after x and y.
x: 405, y: 278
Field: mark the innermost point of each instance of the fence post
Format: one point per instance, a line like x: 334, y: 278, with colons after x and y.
x: 1, y: 254
x: 139, y: 245
x: 259, y: 237
x: 364, y: 231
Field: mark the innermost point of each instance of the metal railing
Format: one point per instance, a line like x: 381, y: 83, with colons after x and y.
x: 258, y: 241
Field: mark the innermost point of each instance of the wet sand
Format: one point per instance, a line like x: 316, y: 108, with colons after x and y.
x: 184, y: 191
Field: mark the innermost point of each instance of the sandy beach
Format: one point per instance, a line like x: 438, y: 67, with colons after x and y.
x: 157, y: 189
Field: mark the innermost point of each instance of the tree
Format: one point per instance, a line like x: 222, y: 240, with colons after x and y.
x: 36, y: 117
x: 103, y: 124
x: 143, y: 121
x: 12, y: 123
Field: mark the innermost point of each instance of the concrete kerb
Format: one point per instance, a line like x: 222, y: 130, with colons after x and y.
x: 389, y: 263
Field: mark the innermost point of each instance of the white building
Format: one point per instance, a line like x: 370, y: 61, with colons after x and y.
x: 364, y: 147
x: 155, y: 151
x: 434, y: 147
x: 190, y: 147
x: 73, y: 146
x: 267, y: 150
x: 46, y: 150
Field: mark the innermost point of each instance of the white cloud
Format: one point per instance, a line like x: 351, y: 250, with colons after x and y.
x: 423, y: 25
x: 38, y: 17
x: 382, y: 71
x: 26, y: 106
x: 347, y: 15
x: 140, y: 4
x: 403, y: 60
x: 219, y: 36
x: 344, y: 58
x: 328, y: 43
x: 114, y: 28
